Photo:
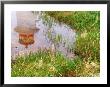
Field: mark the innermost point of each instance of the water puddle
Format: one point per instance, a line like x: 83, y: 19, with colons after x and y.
x: 30, y: 32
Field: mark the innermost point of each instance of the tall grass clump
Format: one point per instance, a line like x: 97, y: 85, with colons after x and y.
x: 44, y: 64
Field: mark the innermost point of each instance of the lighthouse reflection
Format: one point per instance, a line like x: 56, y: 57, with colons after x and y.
x: 26, y: 35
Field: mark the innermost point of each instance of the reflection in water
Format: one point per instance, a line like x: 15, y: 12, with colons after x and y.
x: 26, y: 39
x: 26, y: 35
x: 30, y: 29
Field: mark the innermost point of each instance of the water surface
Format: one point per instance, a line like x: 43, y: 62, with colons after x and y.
x: 41, y: 37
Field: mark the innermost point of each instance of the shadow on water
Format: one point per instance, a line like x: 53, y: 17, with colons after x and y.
x: 30, y: 32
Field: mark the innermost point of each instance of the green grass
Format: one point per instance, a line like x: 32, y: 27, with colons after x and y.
x: 44, y: 64
x: 87, y: 50
x: 87, y: 26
